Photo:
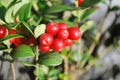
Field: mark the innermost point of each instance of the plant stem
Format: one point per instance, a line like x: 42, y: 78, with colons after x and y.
x: 97, y: 37
x: 13, y: 70
x: 37, y: 65
x: 66, y: 67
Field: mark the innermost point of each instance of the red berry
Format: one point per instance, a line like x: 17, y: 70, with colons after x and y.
x: 16, y: 41
x: 63, y: 34
x: 52, y: 28
x: 62, y: 25
x: 15, y: 20
x: 80, y: 2
x: 3, y: 31
x: 44, y: 48
x: 46, y: 39
x: 32, y: 40
x: 68, y: 42
x: 12, y: 31
x: 25, y: 41
x: 58, y: 45
x: 74, y: 33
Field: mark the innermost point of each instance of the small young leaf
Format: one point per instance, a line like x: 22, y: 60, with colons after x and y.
x: 51, y: 59
x: 23, y: 51
x: 40, y: 29
x: 10, y: 36
x: 58, y: 8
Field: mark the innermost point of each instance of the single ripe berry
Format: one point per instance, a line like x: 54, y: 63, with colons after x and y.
x: 52, y: 28
x: 80, y: 2
x: 58, y: 45
x: 16, y: 41
x: 3, y: 31
x: 68, y: 42
x: 46, y: 39
x: 12, y: 31
x: 44, y: 48
x: 74, y: 33
x: 62, y: 25
x: 63, y: 34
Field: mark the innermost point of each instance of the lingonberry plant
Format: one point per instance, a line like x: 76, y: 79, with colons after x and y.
x: 34, y: 29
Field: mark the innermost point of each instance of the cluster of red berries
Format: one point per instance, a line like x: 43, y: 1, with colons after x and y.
x: 16, y: 41
x: 58, y: 36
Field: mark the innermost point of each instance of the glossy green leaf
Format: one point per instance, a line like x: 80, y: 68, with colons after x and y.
x: 51, y: 59
x: 115, y: 8
x: 2, y: 47
x: 40, y: 29
x: 86, y: 26
x: 25, y: 12
x: 23, y: 51
x: 2, y: 12
x: 8, y: 15
x: 26, y: 63
x: 18, y: 5
x: 58, y: 8
x: 10, y: 36
x: 28, y: 27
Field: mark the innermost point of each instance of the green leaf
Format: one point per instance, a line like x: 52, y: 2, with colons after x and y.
x: 58, y: 8
x: 87, y: 13
x: 115, y: 8
x: 23, y: 51
x: 51, y: 59
x: 18, y: 5
x: 104, y: 2
x: 26, y: 63
x: 65, y: 21
x: 2, y: 47
x: 10, y: 36
x: 28, y: 27
x: 88, y: 3
x: 50, y: 16
x: 40, y: 29
x: 8, y: 15
x: 25, y: 12
x: 6, y: 3
x: 13, y: 25
x: 86, y: 26
x: 2, y: 12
